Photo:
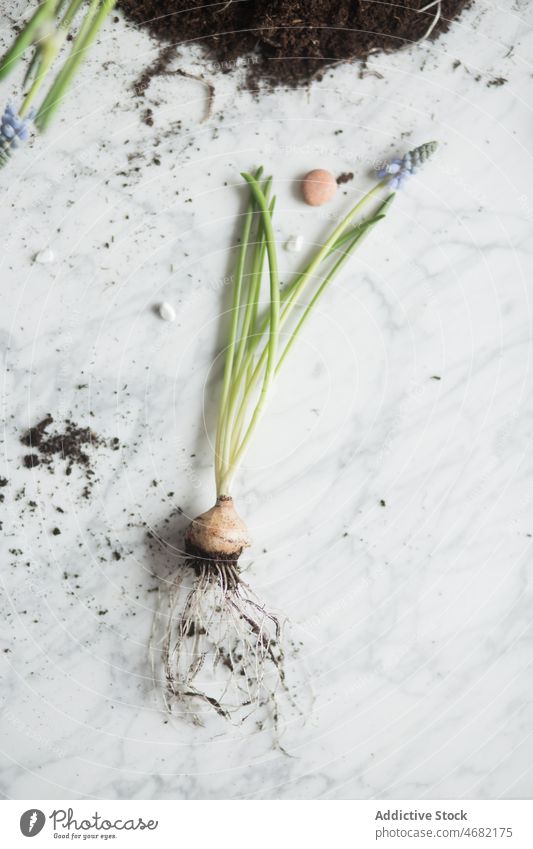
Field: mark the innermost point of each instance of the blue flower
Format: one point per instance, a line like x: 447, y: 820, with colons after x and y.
x: 13, y: 130
x: 399, y: 169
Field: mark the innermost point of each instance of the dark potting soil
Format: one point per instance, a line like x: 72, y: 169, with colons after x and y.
x: 287, y: 42
x: 345, y: 177
x: 70, y: 443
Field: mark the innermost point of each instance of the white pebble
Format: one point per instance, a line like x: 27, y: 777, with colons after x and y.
x: 167, y: 312
x: 294, y: 244
x: 45, y: 256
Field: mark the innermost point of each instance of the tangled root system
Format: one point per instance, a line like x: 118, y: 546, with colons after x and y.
x: 222, y: 650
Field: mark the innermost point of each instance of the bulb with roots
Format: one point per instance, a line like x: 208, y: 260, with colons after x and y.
x: 221, y: 647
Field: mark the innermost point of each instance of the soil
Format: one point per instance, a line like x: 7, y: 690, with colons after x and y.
x: 288, y: 42
x: 70, y: 443
x: 345, y: 177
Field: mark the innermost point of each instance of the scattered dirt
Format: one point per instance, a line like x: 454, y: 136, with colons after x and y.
x: 156, y: 69
x: 345, y: 177
x: 496, y: 82
x: 162, y: 67
x: 287, y: 42
x: 148, y: 117
x: 71, y: 443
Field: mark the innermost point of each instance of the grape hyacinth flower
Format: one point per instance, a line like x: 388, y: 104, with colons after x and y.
x: 399, y: 169
x: 13, y: 130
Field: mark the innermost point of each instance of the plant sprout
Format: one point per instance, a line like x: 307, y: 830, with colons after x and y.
x: 221, y: 647
x: 47, y: 31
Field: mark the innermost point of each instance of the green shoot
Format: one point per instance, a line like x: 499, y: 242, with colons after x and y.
x: 230, y: 461
x: 363, y: 230
x: 252, y: 358
x: 234, y: 326
x: 95, y: 17
x: 26, y: 37
x: 47, y: 31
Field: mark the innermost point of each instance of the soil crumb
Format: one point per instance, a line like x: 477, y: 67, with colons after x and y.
x: 288, y: 42
x: 496, y: 82
x: 345, y: 177
x: 70, y: 443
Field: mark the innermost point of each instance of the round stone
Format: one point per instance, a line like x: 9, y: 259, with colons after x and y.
x: 319, y: 186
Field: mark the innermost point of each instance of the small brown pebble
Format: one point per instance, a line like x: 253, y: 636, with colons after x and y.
x: 318, y: 187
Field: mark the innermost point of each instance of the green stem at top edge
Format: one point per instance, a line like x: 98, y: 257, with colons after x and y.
x: 247, y: 376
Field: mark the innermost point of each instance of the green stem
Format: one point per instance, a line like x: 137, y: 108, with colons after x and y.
x: 327, y: 248
x: 88, y: 31
x: 220, y: 440
x: 231, y: 462
x: 253, y: 378
x: 248, y: 328
x: 59, y: 6
x: 26, y: 37
x: 256, y: 334
x: 46, y: 53
x: 44, y: 60
x: 249, y: 375
x: 255, y: 283
x: 329, y: 277
x: 70, y: 14
x: 335, y: 241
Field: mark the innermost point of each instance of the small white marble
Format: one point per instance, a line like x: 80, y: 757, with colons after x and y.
x: 389, y: 491
x: 294, y: 244
x: 45, y: 257
x: 167, y: 311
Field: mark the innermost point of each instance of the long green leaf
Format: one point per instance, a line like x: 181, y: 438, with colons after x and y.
x: 25, y: 37
x: 231, y: 460
x: 89, y: 29
x: 233, y: 332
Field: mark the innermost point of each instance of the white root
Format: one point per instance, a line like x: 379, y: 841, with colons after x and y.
x: 222, y: 650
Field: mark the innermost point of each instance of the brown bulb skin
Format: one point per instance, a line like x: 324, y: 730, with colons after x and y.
x: 219, y: 533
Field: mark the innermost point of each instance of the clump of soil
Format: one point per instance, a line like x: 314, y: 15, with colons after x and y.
x: 287, y: 42
x: 345, y: 177
x: 71, y: 444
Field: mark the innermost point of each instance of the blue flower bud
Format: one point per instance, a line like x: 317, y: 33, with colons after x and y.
x: 13, y: 129
x: 399, y: 169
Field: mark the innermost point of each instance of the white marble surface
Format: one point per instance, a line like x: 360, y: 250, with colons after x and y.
x: 415, y: 617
